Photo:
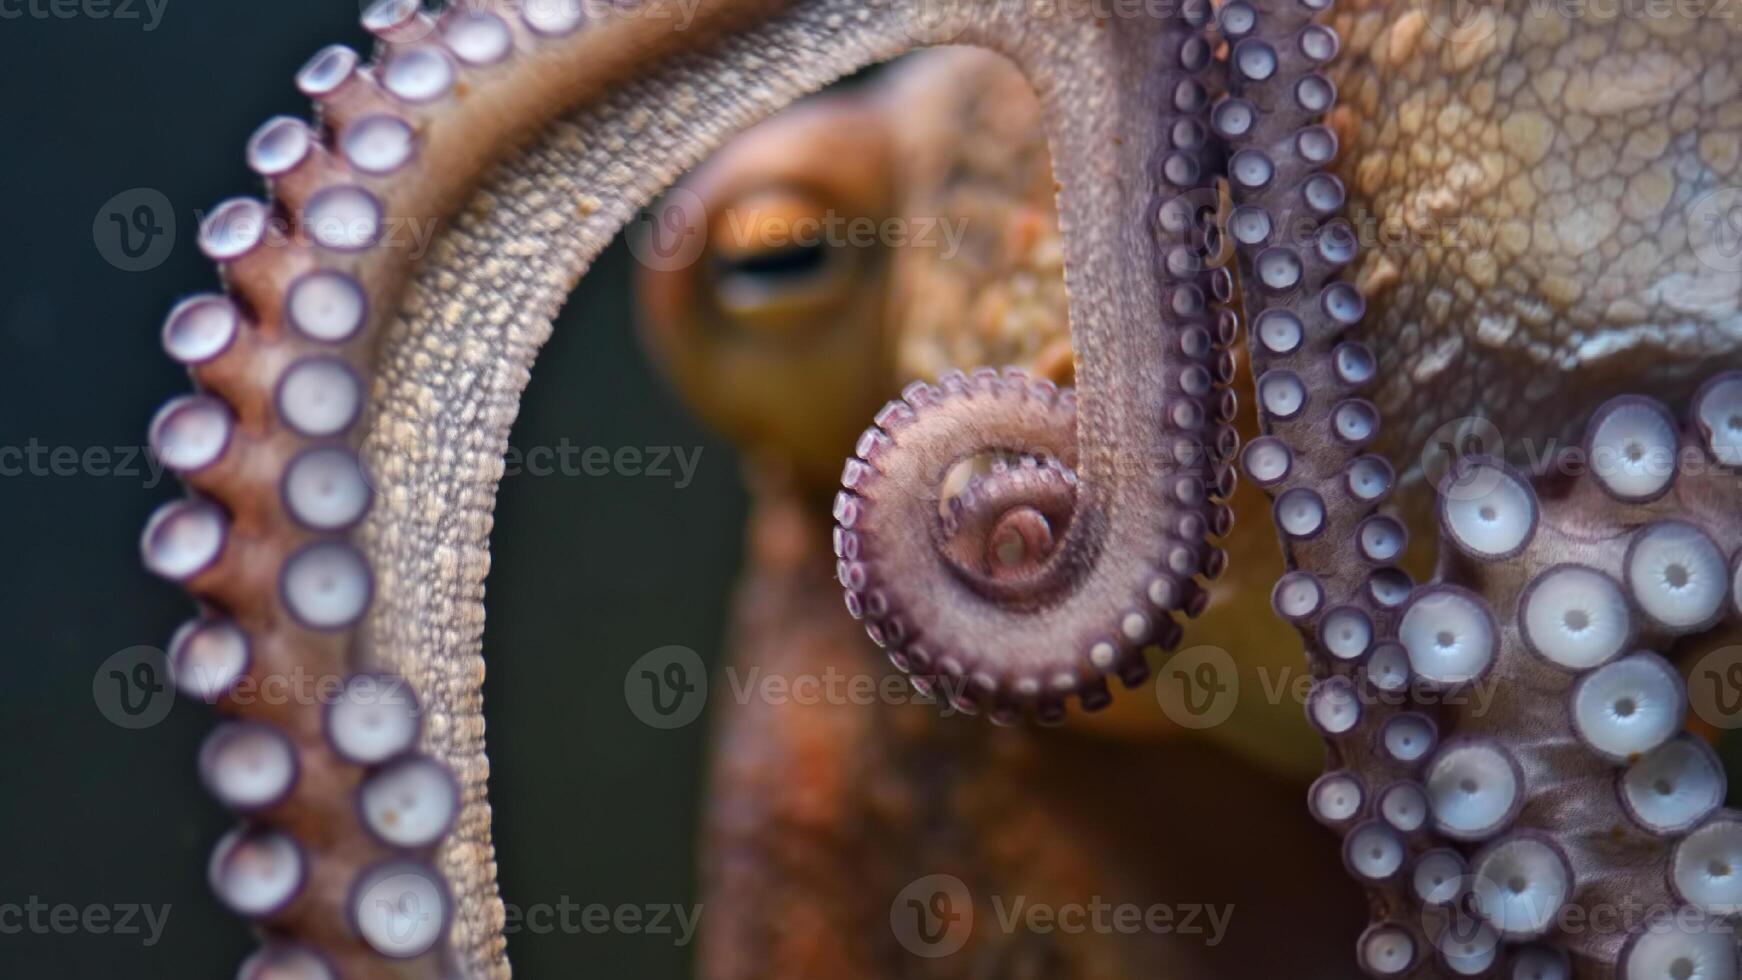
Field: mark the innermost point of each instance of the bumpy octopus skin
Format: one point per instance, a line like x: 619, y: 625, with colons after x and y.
x: 355, y: 401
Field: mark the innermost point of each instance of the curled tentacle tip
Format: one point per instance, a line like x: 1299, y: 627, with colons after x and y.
x: 962, y: 515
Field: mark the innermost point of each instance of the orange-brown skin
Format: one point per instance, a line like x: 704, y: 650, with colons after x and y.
x: 821, y: 813
x: 948, y: 138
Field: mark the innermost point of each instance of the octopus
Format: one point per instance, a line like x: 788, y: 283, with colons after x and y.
x: 1507, y: 231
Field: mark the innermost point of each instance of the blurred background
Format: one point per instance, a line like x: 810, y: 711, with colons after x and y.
x: 125, y: 98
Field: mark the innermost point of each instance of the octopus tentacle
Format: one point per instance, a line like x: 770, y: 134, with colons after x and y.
x: 1143, y: 440
x: 355, y: 397
x: 1475, y: 825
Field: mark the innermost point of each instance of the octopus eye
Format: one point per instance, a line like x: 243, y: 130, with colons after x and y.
x: 780, y: 254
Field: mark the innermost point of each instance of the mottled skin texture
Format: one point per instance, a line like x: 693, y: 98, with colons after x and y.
x: 927, y: 282
x: 820, y: 815
x: 1525, y: 184
x: 534, y: 161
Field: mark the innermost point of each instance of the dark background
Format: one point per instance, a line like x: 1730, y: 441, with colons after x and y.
x: 588, y: 573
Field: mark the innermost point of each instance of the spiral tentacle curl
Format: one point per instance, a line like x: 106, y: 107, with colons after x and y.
x: 355, y: 397
x: 1476, y: 825
x: 1143, y: 447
